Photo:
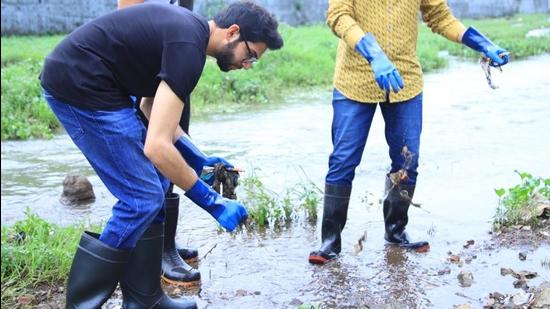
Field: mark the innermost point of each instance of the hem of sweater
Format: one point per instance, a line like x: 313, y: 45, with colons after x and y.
x: 377, y: 99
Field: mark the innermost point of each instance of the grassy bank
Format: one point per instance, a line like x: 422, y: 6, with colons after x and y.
x: 36, y: 253
x: 306, y: 60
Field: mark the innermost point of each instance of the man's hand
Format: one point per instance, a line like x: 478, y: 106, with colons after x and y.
x: 385, y: 73
x: 228, y: 213
x: 478, y: 42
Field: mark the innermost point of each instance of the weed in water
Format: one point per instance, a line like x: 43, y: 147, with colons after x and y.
x: 519, y: 205
x: 267, y: 208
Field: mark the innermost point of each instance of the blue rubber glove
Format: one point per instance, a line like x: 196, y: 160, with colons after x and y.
x: 196, y: 158
x: 478, y: 42
x: 385, y: 73
x: 228, y: 213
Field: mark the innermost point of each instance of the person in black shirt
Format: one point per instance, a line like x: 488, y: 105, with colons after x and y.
x: 175, y: 259
x: 156, y: 52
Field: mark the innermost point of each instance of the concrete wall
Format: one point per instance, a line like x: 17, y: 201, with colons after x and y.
x: 46, y: 16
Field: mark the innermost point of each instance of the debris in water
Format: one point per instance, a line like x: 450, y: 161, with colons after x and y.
x: 468, y: 244
x: 522, y: 256
x: 358, y: 247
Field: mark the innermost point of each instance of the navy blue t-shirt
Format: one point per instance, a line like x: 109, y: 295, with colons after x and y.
x: 128, y: 52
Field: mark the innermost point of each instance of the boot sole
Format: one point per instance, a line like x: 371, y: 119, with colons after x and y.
x: 318, y: 260
x: 186, y: 284
x: 421, y: 247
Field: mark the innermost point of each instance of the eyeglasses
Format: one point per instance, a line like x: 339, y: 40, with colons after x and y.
x: 252, y: 57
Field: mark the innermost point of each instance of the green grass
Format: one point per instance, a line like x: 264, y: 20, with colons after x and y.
x: 307, y: 60
x: 518, y: 204
x: 36, y: 253
x: 269, y: 209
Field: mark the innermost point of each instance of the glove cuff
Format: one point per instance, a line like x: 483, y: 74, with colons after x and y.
x: 369, y: 48
x: 476, y: 40
x: 192, y: 155
x: 204, y: 196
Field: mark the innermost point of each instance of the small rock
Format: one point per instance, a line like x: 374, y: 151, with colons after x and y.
x: 468, y: 243
x: 61, y: 289
x: 521, y: 298
x: 542, y: 296
x: 241, y: 292
x: 25, y: 300
x: 522, y: 256
x: 468, y: 260
x: 521, y: 284
x: 506, y: 271
x: 257, y: 293
x: 77, y: 189
x: 454, y: 258
x: 445, y: 271
x: 465, y: 278
x: 463, y: 306
x: 295, y: 302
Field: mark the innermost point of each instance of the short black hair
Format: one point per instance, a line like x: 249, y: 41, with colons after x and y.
x: 256, y: 23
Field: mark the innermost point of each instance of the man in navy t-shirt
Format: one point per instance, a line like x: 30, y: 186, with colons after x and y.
x: 175, y: 258
x: 156, y: 52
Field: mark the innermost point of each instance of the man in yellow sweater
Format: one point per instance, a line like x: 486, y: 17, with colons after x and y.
x: 376, y: 64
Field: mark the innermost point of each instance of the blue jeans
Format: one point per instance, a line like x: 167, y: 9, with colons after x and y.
x: 350, y: 128
x: 112, y: 141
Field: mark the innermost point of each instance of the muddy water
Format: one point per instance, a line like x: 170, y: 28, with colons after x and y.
x: 473, y: 140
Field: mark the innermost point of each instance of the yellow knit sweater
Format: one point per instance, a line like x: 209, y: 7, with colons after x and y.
x: 394, y: 23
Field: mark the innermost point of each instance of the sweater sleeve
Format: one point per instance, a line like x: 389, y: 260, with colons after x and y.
x: 341, y: 20
x: 438, y: 16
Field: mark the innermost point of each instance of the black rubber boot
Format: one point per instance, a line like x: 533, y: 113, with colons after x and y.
x: 174, y: 269
x: 140, y: 282
x: 95, y: 272
x: 335, y: 214
x: 189, y: 255
x: 396, y: 207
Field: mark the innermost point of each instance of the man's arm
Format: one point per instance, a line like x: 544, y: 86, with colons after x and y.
x: 126, y: 3
x: 159, y: 147
x: 146, y: 105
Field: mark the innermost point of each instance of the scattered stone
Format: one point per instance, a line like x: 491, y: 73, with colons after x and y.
x: 506, y: 271
x: 77, y: 189
x: 521, y: 284
x: 25, y: 300
x: 465, y: 278
x: 454, y: 258
x: 444, y: 271
x: 468, y: 244
x: 542, y: 296
x: 521, y: 298
x: 241, y: 292
x: 463, y: 306
x: 257, y: 293
x: 522, y: 256
x: 468, y: 260
x: 295, y: 302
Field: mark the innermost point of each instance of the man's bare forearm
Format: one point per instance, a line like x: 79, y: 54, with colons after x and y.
x: 146, y: 105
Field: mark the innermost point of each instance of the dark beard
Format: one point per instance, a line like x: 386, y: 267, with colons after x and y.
x: 225, y: 58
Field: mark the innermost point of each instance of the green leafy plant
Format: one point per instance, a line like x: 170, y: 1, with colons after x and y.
x: 519, y: 204
x: 269, y: 209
